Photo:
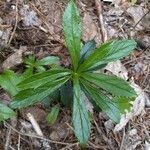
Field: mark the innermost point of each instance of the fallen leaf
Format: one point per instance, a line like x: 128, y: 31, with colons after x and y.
x: 90, y: 30
x: 133, y: 140
x: 136, y: 12
x: 117, y: 69
x: 14, y: 59
x: 38, y: 113
x: 29, y: 17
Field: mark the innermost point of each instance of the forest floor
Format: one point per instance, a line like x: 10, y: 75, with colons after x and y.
x: 35, y: 27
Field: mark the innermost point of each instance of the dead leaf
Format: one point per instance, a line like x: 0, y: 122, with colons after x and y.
x: 136, y: 12
x: 14, y: 59
x: 38, y: 113
x: 146, y: 22
x: 133, y: 140
x: 117, y: 69
x: 90, y: 30
x: 29, y: 17
x: 59, y: 132
x: 137, y: 109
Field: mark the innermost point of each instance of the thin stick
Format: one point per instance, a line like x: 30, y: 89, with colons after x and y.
x: 35, y: 124
x: 123, y: 138
x: 8, y: 139
x: 98, y: 5
x: 19, y: 142
x: 141, y: 19
x: 69, y: 146
x: 16, y: 23
x: 35, y: 136
x: 44, y: 19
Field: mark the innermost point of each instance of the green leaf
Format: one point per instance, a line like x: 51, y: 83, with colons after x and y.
x: 87, y: 50
x: 6, y: 112
x: 111, y: 84
x: 72, y: 32
x: 47, y: 101
x: 104, y: 102
x: 66, y: 93
x: 81, y: 120
x: 34, y: 64
x: 108, y: 52
x: 31, y: 96
x: 8, y: 81
x: 52, y: 116
x: 124, y: 103
x: 41, y: 78
x: 48, y: 61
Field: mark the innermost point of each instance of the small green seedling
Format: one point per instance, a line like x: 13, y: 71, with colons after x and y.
x: 52, y: 116
x: 9, y: 79
x: 105, y: 92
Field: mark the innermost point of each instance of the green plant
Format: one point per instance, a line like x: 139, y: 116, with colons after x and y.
x: 105, y: 92
x: 9, y: 79
x: 6, y: 112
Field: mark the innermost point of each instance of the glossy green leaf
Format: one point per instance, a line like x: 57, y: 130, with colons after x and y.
x: 87, y: 50
x: 111, y: 84
x: 6, y: 112
x: 124, y: 103
x: 8, y: 81
x: 48, y: 61
x: 41, y: 78
x: 72, y: 32
x: 52, y: 116
x: 47, y: 101
x: 104, y: 102
x: 31, y: 96
x: 66, y: 93
x: 81, y: 120
x: 38, y: 65
x: 108, y: 52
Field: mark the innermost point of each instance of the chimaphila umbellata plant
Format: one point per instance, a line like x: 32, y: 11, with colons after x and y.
x: 108, y: 93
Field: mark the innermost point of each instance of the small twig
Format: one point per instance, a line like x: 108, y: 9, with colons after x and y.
x: 97, y: 147
x: 35, y: 124
x: 141, y: 19
x: 69, y: 146
x: 98, y: 5
x: 123, y: 138
x: 146, y: 76
x: 37, y: 128
x: 8, y: 139
x: 16, y: 23
x: 11, y: 147
x: 54, y: 37
x: 18, y: 142
x: 103, y: 136
x: 35, y: 136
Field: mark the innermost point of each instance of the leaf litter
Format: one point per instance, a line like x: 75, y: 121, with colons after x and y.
x: 118, y: 21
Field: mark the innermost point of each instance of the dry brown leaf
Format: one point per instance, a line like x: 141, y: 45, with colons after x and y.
x: 117, y: 69
x: 38, y: 113
x: 29, y: 17
x: 14, y: 59
x: 90, y: 30
x: 136, y: 12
